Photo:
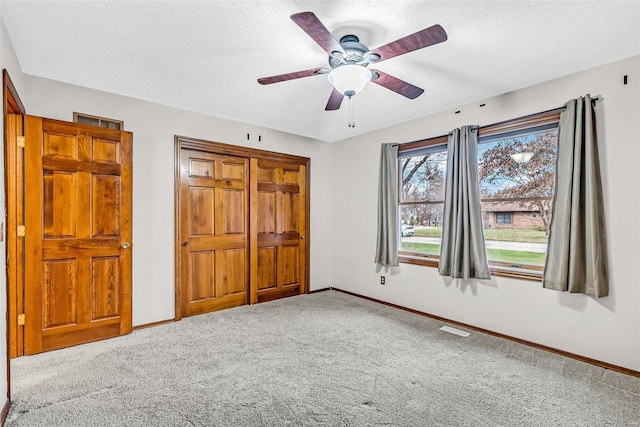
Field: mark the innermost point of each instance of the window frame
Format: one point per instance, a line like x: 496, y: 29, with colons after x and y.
x: 100, y: 120
x: 497, y: 268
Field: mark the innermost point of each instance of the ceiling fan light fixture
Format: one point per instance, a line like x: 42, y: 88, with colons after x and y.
x: 349, y: 79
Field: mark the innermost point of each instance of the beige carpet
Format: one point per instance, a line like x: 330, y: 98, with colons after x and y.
x: 326, y: 359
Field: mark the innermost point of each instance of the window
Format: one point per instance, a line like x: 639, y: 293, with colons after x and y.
x: 517, y: 172
x: 503, y: 217
x: 102, y: 122
x: 422, y: 185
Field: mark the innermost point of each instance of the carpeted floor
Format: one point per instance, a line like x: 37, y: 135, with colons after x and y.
x: 325, y: 359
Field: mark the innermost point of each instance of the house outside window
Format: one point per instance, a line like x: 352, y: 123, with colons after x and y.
x: 517, y: 173
x: 510, y: 215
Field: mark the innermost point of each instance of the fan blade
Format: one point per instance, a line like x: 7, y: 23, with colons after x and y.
x: 397, y: 85
x: 335, y: 100
x: 311, y: 25
x: 290, y: 76
x: 427, y: 37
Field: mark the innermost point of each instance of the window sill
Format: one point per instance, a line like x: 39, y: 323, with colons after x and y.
x: 497, y: 269
x: 418, y: 260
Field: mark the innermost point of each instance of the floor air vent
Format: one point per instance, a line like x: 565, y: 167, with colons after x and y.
x: 455, y: 331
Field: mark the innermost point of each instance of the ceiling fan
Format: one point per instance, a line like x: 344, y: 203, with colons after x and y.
x: 349, y: 60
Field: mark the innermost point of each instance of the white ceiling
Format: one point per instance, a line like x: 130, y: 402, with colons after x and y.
x: 206, y: 56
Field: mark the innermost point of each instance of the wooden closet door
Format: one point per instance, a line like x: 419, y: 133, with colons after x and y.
x: 78, y: 234
x: 213, y: 235
x: 278, y: 224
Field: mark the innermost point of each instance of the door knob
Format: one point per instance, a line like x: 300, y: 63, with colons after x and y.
x: 301, y: 237
x: 185, y: 243
x: 125, y: 245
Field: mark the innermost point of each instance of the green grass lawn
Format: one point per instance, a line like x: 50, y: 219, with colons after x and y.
x: 423, y: 248
x: 502, y: 255
x: 516, y: 257
x: 508, y: 235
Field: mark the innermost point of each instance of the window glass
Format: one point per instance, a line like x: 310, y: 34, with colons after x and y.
x: 503, y: 217
x: 516, y: 186
x: 421, y: 204
x: 109, y: 125
x: 88, y: 121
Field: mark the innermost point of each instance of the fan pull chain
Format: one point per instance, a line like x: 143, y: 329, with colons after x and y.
x: 352, y: 113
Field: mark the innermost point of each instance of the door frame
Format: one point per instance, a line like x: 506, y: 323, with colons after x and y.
x: 182, y: 142
x: 11, y: 104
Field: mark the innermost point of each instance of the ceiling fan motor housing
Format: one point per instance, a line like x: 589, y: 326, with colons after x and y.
x: 355, y: 53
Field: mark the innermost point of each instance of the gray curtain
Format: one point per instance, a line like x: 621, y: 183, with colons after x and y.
x: 462, y: 253
x: 577, y: 253
x: 388, y: 226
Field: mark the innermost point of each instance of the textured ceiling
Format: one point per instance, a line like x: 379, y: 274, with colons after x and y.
x: 206, y: 56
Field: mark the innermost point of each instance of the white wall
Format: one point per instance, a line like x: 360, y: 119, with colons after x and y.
x: 9, y: 61
x: 606, y: 329
x: 154, y: 127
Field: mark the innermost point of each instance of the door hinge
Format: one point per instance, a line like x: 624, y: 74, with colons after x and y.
x: 21, y: 141
x: 21, y: 231
x: 21, y: 318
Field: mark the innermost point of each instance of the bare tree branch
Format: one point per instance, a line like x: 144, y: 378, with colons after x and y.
x: 415, y: 169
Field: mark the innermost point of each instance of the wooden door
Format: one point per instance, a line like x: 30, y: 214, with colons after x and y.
x: 279, y: 221
x: 213, y: 232
x: 78, y: 234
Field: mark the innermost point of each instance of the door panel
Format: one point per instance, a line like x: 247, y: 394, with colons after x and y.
x: 213, y: 259
x: 290, y: 211
x: 202, y: 275
x: 78, y: 198
x: 59, y: 293
x: 105, y: 206
x: 266, y: 212
x: 59, y: 204
x: 279, y: 191
x: 233, y: 219
x: 288, y: 265
x: 105, y: 287
x: 202, y: 211
x: 106, y: 151
x: 267, y: 268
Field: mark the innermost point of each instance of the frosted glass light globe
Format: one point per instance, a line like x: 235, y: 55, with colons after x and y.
x: 349, y: 79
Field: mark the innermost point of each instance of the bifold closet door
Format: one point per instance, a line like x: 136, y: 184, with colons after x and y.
x: 213, y: 232
x: 278, y: 194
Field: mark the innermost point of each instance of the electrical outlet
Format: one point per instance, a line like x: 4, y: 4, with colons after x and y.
x: 382, y: 280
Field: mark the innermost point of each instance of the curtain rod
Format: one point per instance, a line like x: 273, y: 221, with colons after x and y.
x: 597, y: 98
